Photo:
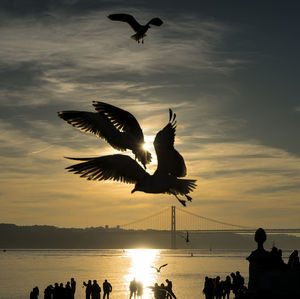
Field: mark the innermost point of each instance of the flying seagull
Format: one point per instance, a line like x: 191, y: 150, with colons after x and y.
x: 138, y: 28
x: 124, y: 169
x: 186, y: 237
x: 115, y: 125
x: 158, y: 269
x: 169, y: 159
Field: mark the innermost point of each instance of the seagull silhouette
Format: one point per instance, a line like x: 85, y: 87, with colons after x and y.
x: 138, y: 28
x: 186, y: 237
x: 115, y: 125
x: 158, y: 269
x: 124, y: 169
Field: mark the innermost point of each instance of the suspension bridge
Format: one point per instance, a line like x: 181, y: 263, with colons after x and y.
x: 177, y: 221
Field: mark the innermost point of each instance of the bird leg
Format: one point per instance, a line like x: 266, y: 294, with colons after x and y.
x: 142, y: 41
x: 182, y: 201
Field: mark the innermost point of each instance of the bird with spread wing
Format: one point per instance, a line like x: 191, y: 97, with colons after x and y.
x: 115, y: 125
x: 158, y: 269
x: 185, y: 237
x: 124, y: 169
x: 138, y: 28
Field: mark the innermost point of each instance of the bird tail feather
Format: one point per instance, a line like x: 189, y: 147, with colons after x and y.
x: 183, y: 186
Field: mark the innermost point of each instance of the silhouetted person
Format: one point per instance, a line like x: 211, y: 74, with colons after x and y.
x: 162, y: 291
x: 156, y: 291
x: 61, y: 291
x: 208, y: 290
x: 227, y: 287
x: 55, y: 291
x: 73, y: 287
x: 140, y: 289
x: 276, y: 257
x: 96, y: 290
x: 234, y: 284
x: 239, y: 280
x: 133, y: 288
x: 107, y: 288
x: 294, y: 260
x: 218, y: 288
x: 88, y: 289
x: 34, y: 294
x: 68, y: 291
x: 48, y: 292
x: 169, y: 287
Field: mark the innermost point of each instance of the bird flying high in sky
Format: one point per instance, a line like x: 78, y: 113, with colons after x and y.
x: 138, y: 28
x: 115, y: 125
x: 124, y: 169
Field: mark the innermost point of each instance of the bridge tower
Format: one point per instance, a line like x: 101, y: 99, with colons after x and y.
x: 173, y: 228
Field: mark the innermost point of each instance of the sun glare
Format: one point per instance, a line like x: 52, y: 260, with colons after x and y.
x: 148, y: 143
x: 141, y: 262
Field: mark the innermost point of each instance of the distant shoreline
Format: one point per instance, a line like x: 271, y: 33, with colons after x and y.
x: 51, y: 237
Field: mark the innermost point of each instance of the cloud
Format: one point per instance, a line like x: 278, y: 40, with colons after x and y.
x: 238, y: 136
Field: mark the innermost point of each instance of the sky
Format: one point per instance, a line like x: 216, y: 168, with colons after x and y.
x: 228, y: 69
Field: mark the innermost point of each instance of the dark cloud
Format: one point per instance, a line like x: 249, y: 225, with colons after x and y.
x: 21, y: 76
x: 275, y: 189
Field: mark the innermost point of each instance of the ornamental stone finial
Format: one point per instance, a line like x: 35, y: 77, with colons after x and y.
x: 260, y: 238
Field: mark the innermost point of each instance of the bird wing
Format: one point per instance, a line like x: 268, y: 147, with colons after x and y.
x: 169, y: 159
x: 121, y: 119
x: 96, y: 123
x: 122, y: 17
x: 162, y: 266
x: 112, y: 167
x: 155, y: 21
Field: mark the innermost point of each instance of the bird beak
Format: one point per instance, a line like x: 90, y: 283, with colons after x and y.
x: 133, y: 190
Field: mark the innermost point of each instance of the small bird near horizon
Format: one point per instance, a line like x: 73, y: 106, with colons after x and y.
x: 186, y: 237
x: 115, y: 125
x: 158, y: 269
x: 138, y: 28
x: 124, y: 169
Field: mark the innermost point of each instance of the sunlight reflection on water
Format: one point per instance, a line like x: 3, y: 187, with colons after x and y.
x: 40, y: 268
x: 140, y: 268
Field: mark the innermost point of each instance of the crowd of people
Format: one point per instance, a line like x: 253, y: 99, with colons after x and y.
x: 136, y: 289
x: 221, y: 289
x: 93, y: 290
x: 67, y: 291
x: 58, y: 291
x: 214, y: 288
x: 163, y: 291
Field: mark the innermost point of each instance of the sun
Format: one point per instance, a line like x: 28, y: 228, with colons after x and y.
x: 148, y: 143
x: 141, y: 262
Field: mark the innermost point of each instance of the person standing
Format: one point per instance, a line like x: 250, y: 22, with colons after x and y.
x: 140, y: 290
x: 73, y: 287
x: 88, y: 289
x: 107, y: 288
x: 169, y: 287
x: 227, y: 286
x: 96, y: 290
x: 132, y: 288
x: 34, y: 294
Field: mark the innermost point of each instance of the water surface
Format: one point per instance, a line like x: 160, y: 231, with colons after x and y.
x: 21, y: 270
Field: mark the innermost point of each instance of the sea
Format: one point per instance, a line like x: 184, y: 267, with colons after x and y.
x: 22, y: 270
